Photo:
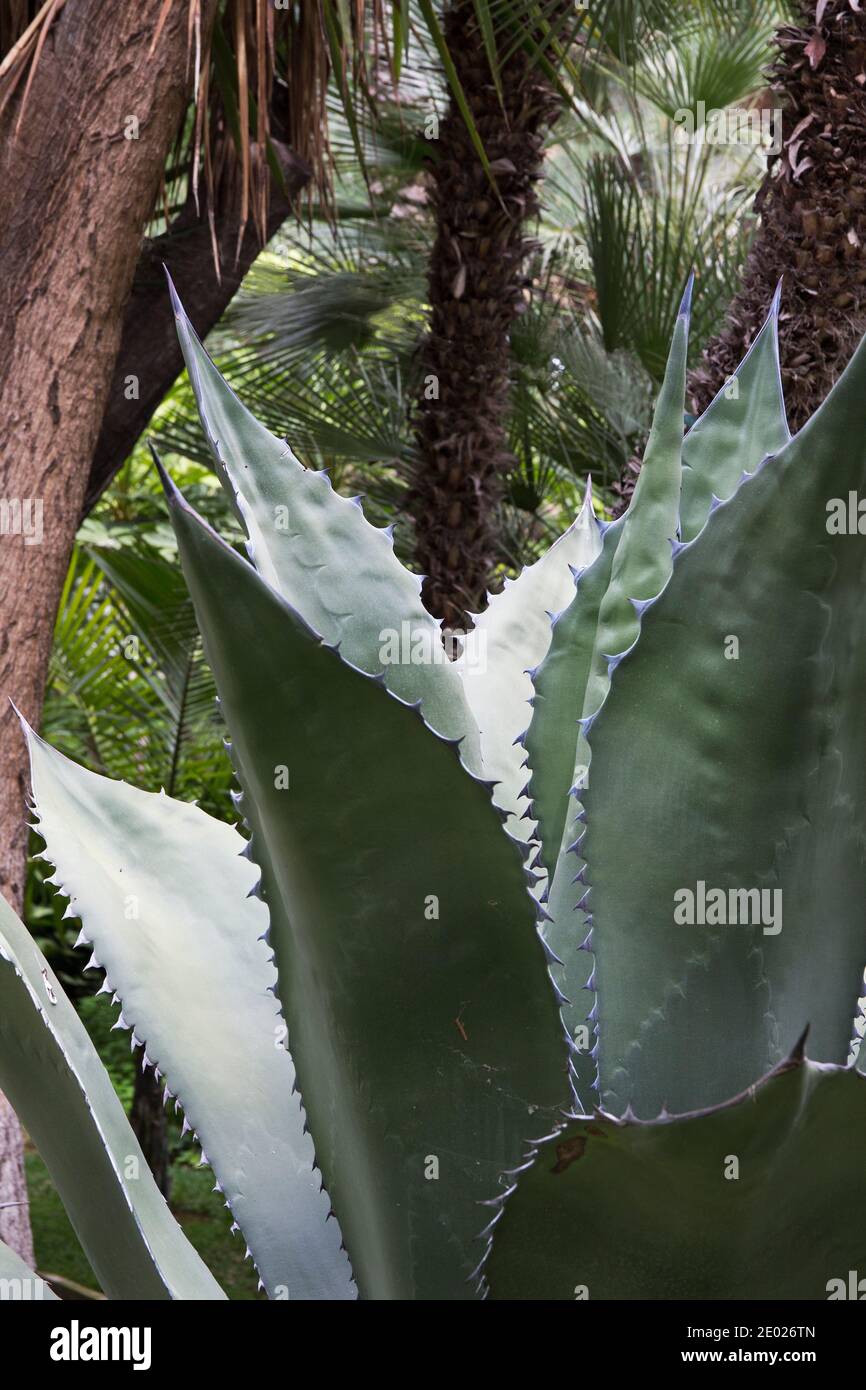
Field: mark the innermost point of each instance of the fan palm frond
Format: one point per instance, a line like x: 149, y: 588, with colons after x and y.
x: 129, y: 692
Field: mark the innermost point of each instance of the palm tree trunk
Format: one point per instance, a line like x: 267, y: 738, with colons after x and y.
x: 812, y: 229
x: 477, y: 287
x: 812, y: 205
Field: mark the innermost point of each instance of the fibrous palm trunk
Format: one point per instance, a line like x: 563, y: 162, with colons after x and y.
x: 813, y: 215
x: 812, y: 229
x: 477, y: 287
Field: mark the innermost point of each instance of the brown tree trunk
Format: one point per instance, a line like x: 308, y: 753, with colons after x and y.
x: 477, y: 287
x: 812, y: 229
x: 812, y: 205
x: 150, y: 1123
x: 80, y: 175
x: 149, y: 349
x: 14, y: 1209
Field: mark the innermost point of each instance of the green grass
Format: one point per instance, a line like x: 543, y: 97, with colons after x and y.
x: 199, y: 1210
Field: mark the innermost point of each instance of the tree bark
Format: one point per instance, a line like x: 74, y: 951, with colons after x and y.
x: 14, y: 1208
x: 812, y: 205
x: 150, y: 1123
x: 149, y: 350
x: 477, y: 287
x: 69, y: 244
x: 812, y: 229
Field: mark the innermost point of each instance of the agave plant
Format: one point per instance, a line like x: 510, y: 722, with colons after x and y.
x: 558, y: 965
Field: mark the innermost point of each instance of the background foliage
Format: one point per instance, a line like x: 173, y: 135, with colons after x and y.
x: 323, y: 344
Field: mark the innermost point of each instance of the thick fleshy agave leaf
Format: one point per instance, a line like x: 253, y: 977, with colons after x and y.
x: 421, y: 1017
x: 642, y: 558
x: 760, y: 1198
x: 318, y: 550
x: 511, y: 636
x: 744, y: 789
x: 743, y: 424
x: 163, y: 896
x: 749, y: 409
x: 600, y: 622
x: 554, y: 740
x: 52, y: 1075
x: 18, y: 1281
x: 559, y: 756
x: 588, y: 638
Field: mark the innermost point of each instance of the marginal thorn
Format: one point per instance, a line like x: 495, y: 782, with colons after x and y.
x: 798, y: 1051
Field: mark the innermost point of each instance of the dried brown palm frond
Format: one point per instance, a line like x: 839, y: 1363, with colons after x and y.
x: 258, y: 80
x: 23, y: 29
x: 260, y: 83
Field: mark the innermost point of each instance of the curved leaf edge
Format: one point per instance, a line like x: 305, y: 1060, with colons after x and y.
x: 8, y: 959
x: 137, y: 1039
x: 242, y: 508
x: 176, y: 501
x: 641, y: 606
x: 13, y: 1267
x: 797, y: 1058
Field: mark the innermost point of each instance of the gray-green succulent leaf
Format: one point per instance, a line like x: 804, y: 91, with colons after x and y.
x: 759, y: 1198
x: 602, y: 629
x: 605, y: 865
x: 55, y: 1080
x: 737, y: 911
x: 509, y: 640
x: 422, y: 1020
x: 19, y: 1282
x: 317, y: 549
x: 163, y: 894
